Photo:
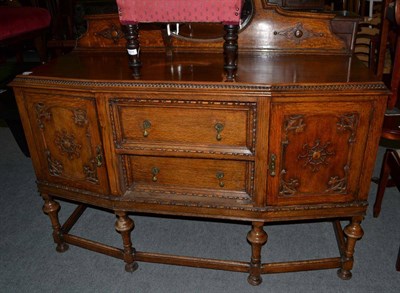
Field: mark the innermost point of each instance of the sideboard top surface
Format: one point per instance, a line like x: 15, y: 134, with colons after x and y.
x: 257, y: 70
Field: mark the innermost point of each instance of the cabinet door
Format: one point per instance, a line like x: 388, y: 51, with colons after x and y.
x: 316, y: 151
x: 67, y: 140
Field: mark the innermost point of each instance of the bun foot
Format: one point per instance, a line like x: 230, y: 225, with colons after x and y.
x: 344, y: 275
x: 254, y: 280
x: 62, y: 247
x: 131, y: 267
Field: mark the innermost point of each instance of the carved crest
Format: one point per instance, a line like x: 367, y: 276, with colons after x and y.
x: 113, y: 33
x: 297, y: 33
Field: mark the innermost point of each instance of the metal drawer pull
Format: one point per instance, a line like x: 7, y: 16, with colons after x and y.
x: 220, y: 176
x: 154, y: 172
x: 219, y: 127
x: 146, y: 127
x: 271, y: 165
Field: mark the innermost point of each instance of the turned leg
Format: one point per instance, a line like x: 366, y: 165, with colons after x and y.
x: 231, y: 50
x: 51, y: 208
x: 257, y: 238
x: 382, y: 183
x: 353, y: 231
x: 125, y: 225
x: 133, y: 48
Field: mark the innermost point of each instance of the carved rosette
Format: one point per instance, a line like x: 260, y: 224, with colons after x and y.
x: 298, y: 33
x: 317, y: 155
x: 67, y: 144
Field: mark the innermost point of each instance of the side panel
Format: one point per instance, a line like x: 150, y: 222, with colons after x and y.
x: 67, y: 140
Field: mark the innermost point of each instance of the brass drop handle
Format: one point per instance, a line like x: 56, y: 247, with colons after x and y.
x: 219, y: 127
x: 154, y: 172
x: 146, y: 128
x: 99, y: 156
x: 220, y: 176
x: 272, y: 165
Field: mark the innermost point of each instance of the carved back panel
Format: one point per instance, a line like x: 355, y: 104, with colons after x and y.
x: 266, y: 28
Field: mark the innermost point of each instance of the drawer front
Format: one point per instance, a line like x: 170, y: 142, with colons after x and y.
x: 197, y: 177
x: 181, y: 125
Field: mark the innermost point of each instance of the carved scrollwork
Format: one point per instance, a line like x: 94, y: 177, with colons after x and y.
x: 80, y: 117
x: 297, y: 33
x: 90, y: 171
x: 295, y: 123
x: 348, y: 122
x: 42, y: 114
x: 67, y: 144
x: 287, y: 188
x: 316, y: 156
x: 337, y: 184
x: 55, y: 167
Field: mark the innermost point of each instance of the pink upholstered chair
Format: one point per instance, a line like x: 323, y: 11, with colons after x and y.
x: 18, y: 24
x: 228, y: 12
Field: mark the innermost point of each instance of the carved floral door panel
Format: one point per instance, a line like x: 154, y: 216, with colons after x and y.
x: 316, y: 151
x: 68, y: 140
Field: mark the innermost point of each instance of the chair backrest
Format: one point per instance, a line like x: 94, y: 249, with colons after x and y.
x: 390, y: 24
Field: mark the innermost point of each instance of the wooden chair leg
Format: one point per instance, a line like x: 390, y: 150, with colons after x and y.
x: 133, y: 48
x: 231, y: 51
x: 383, y: 180
x: 40, y: 45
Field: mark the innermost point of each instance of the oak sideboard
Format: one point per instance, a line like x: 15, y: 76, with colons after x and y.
x: 294, y: 137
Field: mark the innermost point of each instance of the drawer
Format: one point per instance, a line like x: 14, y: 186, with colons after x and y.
x: 195, y: 177
x: 183, y: 126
